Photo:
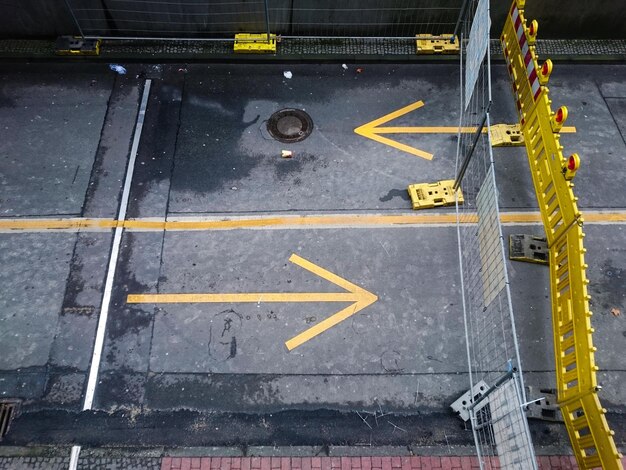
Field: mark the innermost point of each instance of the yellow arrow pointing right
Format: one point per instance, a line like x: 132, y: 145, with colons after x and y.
x: 359, y: 297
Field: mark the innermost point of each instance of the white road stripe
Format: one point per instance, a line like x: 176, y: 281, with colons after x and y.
x: 74, y: 457
x: 108, y: 285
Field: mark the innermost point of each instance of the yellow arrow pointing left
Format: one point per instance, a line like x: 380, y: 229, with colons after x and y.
x: 373, y: 130
x: 359, y: 297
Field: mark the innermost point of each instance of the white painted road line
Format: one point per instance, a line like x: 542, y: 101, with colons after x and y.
x: 108, y: 285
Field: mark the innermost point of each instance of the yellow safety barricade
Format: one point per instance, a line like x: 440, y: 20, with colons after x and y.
x: 591, y: 438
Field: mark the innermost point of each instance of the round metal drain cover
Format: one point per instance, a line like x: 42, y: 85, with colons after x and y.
x: 290, y: 125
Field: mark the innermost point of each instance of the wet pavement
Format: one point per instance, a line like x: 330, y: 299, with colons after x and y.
x: 219, y: 372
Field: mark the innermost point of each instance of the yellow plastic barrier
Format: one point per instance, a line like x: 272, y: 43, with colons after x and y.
x: 591, y: 438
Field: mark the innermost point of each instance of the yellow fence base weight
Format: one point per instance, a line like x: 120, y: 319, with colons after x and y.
x: 528, y: 248
x: 428, y: 44
x: 77, y: 46
x: 588, y: 430
x: 429, y: 195
x: 506, y: 135
x: 255, y: 43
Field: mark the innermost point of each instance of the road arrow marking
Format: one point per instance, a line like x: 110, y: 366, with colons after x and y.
x: 371, y: 130
x: 359, y: 297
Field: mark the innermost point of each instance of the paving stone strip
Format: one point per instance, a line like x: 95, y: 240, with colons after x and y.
x: 447, y: 462
x: 301, y: 48
x: 351, y: 463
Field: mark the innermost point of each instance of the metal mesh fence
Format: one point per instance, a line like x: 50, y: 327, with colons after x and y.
x: 222, y: 19
x: 164, y: 19
x: 364, y: 18
x: 497, y: 416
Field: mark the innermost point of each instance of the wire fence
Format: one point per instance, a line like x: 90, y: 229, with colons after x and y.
x: 222, y: 19
x: 497, y: 415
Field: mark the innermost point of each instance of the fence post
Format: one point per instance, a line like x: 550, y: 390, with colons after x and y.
x: 469, y: 154
x: 267, y: 19
x: 69, y: 7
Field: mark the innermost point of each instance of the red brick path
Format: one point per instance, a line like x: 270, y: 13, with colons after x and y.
x: 560, y: 462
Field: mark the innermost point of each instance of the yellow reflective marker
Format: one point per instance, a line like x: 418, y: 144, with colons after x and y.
x: 372, y: 130
x: 359, y: 297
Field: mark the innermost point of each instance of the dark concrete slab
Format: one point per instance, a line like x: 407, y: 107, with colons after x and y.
x: 155, y: 158
x: 53, y: 282
x: 611, y: 81
x: 393, y: 344
x: 606, y: 257
x: 109, y: 168
x: 31, y: 299
x: 598, y: 140
x: 30, y: 306
x: 617, y: 108
x: 52, y: 289
x: 125, y: 359
x: 410, y: 341
x: 226, y: 162
x: 52, y: 117
x: 530, y: 291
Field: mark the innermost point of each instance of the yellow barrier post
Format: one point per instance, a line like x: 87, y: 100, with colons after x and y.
x: 589, y: 433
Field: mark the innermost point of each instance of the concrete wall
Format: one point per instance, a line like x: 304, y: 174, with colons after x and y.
x: 557, y: 19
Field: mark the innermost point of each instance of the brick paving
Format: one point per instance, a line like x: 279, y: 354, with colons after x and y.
x: 554, y: 462
x: 447, y: 462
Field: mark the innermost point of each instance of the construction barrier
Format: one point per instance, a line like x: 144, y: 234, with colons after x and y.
x: 589, y: 433
x: 495, y: 402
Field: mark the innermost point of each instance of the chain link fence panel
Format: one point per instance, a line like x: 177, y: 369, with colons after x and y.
x: 222, y: 19
x: 497, y: 415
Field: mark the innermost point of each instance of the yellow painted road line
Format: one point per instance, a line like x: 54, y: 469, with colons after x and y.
x: 520, y: 217
x: 246, y: 297
x: 327, y: 323
x: 374, y: 135
x: 423, y: 130
x: 56, y: 224
x: 445, y: 130
x: 360, y: 297
x: 393, y: 115
x: 364, y: 298
x: 285, y: 222
x: 604, y: 217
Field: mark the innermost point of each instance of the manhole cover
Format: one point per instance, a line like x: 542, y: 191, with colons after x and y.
x: 290, y: 125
